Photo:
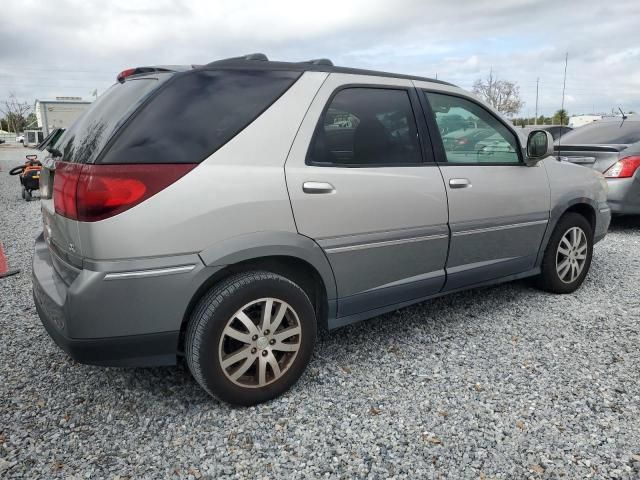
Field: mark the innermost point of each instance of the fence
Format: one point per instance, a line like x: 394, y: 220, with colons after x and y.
x: 8, y: 137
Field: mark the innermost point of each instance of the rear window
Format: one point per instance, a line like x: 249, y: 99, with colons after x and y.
x: 606, y: 132
x: 86, y: 138
x: 196, y: 113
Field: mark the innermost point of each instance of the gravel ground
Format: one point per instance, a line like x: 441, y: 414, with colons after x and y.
x: 504, y: 382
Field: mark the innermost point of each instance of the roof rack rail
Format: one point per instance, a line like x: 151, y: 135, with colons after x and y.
x: 320, y: 61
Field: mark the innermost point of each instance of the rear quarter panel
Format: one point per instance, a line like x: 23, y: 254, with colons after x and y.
x: 572, y: 184
x: 238, y: 190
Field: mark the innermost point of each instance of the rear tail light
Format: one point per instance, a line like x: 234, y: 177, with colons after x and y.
x: 624, y: 168
x: 89, y: 193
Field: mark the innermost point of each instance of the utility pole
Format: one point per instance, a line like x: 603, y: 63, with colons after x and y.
x: 564, y: 84
x: 537, y: 83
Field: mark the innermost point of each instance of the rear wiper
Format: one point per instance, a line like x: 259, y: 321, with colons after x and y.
x: 54, y: 151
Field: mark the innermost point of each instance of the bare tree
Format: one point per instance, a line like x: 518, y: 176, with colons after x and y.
x: 502, y: 95
x: 15, y: 113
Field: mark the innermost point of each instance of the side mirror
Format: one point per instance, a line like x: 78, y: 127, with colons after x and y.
x: 539, y: 146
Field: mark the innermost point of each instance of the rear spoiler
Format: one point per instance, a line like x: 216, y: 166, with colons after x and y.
x: 589, y: 148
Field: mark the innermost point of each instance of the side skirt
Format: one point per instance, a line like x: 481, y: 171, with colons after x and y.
x: 337, y: 322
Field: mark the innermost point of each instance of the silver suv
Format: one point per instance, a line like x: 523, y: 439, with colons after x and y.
x: 223, y: 213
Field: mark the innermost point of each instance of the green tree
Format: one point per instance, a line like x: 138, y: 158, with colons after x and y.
x: 561, y: 117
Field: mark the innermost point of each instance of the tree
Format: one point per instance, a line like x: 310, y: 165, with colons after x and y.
x: 561, y: 117
x: 15, y: 114
x: 502, y: 95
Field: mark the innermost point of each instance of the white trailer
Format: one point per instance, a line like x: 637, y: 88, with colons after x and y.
x: 59, y: 113
x: 580, y: 120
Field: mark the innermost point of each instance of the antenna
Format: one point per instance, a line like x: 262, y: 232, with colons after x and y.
x: 564, y: 85
x: 624, y: 117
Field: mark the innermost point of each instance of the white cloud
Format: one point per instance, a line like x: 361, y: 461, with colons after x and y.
x: 81, y: 45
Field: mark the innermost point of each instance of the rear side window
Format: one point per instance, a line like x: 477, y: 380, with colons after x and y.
x: 367, y: 127
x: 604, y: 132
x: 88, y: 135
x: 195, y: 114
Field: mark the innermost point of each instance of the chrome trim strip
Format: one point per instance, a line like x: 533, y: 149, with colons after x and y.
x: 501, y: 227
x: 407, y: 281
x: 156, y: 272
x: 363, y: 246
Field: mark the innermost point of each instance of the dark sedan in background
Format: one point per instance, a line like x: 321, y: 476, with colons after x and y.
x: 611, y: 146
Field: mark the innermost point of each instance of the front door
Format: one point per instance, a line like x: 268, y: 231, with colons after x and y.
x: 360, y: 187
x: 498, y: 206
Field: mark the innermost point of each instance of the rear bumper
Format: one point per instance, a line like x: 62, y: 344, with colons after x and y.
x: 129, y: 351
x: 121, y: 321
x: 624, y: 195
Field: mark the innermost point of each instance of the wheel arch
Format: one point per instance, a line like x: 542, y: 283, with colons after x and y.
x: 291, y: 255
x: 584, y: 206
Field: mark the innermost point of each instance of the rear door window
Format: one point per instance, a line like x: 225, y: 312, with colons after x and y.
x: 365, y: 126
x: 196, y: 113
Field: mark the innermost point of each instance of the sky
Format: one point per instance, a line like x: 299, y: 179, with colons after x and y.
x: 71, y: 48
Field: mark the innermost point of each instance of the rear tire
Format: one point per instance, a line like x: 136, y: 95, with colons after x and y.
x: 230, y: 348
x: 567, y: 257
x: 26, y: 194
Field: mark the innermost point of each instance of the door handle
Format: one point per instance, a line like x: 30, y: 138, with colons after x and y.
x: 317, y: 187
x: 459, y: 183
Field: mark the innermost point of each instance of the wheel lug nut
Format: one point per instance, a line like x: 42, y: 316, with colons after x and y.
x: 254, y: 338
x: 272, y: 342
x: 254, y: 350
x: 264, y: 353
x: 267, y: 332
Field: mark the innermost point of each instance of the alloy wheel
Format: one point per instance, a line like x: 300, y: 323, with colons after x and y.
x: 260, y: 342
x: 571, y: 255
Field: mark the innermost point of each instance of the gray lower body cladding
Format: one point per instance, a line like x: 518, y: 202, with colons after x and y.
x: 107, y: 317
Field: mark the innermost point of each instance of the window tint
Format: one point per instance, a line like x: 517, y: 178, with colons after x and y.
x: 470, y: 134
x: 196, y: 113
x: 367, y: 126
x: 604, y: 132
x: 90, y: 132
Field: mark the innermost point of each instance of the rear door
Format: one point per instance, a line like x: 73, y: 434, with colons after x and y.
x: 362, y: 184
x: 498, y: 206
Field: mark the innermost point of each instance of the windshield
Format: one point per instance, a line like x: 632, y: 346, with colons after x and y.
x: 604, y: 132
x: 86, y: 138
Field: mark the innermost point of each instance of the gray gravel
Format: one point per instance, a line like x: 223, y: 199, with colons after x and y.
x: 504, y: 382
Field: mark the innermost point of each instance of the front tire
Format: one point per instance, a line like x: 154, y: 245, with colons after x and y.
x: 250, y: 337
x: 568, y: 255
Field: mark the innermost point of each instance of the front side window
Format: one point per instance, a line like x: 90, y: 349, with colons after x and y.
x: 367, y: 127
x: 470, y: 134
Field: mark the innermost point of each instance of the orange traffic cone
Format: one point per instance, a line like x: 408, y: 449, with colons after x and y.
x: 4, y: 265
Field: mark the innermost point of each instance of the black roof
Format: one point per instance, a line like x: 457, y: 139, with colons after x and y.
x: 259, y: 61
